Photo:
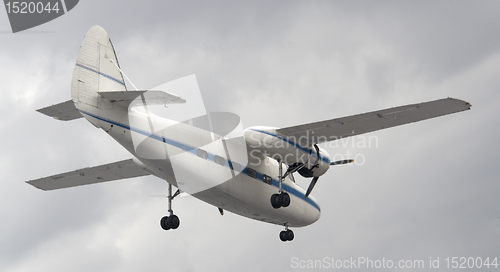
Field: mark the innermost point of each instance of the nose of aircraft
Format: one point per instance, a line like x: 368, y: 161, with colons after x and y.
x: 314, y: 213
x: 309, y: 213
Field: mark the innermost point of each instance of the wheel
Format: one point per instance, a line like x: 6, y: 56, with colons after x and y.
x: 275, y: 201
x: 284, y: 199
x: 173, y: 221
x: 283, y: 236
x: 163, y: 223
x: 289, y: 235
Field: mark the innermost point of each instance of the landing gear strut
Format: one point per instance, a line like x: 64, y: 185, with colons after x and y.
x: 281, y: 199
x: 287, y: 234
x: 171, y: 221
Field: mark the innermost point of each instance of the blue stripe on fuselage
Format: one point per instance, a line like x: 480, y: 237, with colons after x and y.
x: 191, y: 149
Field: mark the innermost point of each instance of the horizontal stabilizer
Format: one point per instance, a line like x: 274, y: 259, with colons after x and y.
x: 124, y: 99
x: 64, y: 111
x: 107, y: 172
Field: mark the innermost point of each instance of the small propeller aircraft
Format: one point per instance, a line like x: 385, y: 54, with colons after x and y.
x: 252, y: 176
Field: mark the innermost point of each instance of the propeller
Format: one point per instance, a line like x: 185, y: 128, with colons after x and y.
x: 311, y: 186
x: 317, y: 156
x: 315, y: 179
x: 341, y: 162
x: 297, y: 166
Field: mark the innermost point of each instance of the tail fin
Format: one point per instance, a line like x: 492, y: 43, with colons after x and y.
x: 96, y: 69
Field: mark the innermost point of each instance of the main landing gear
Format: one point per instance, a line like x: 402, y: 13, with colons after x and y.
x: 281, y: 199
x: 171, y: 221
x: 287, y: 234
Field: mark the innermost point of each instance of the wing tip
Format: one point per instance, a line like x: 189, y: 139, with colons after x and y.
x: 468, y: 104
x: 31, y: 182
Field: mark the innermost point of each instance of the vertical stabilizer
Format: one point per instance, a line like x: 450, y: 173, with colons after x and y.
x: 95, y: 69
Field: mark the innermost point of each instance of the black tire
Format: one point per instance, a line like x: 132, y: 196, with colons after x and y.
x: 284, y: 199
x: 289, y: 235
x: 283, y: 236
x: 163, y: 223
x: 173, y: 221
x: 275, y: 201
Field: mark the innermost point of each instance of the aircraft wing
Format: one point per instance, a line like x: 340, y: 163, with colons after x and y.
x: 107, y: 172
x: 64, y: 111
x: 334, y: 129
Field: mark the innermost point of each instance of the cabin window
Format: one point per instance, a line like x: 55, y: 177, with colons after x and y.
x: 236, y: 166
x: 267, y: 179
x: 202, y: 153
x: 252, y: 173
x: 219, y: 160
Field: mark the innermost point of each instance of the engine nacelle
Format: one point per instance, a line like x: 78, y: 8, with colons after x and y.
x: 266, y: 141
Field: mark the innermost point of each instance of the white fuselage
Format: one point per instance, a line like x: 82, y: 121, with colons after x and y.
x: 198, y: 162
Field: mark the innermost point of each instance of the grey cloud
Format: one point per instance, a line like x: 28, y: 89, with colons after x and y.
x: 428, y: 190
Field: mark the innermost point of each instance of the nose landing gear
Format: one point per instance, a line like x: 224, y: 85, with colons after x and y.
x: 171, y: 221
x: 287, y: 234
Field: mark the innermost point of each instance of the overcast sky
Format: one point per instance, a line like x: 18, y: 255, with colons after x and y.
x: 425, y: 190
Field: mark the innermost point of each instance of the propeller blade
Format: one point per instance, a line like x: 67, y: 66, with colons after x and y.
x: 341, y: 162
x: 311, y: 186
x: 317, y: 157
